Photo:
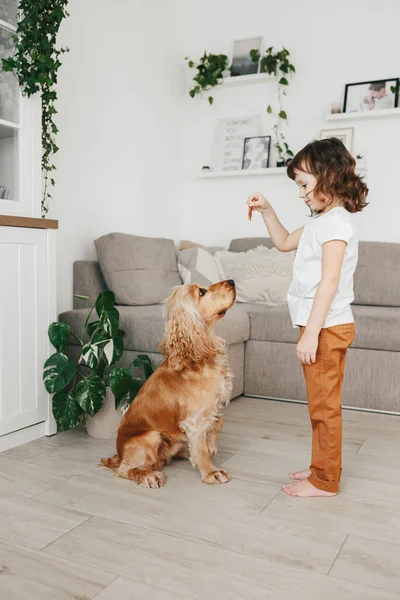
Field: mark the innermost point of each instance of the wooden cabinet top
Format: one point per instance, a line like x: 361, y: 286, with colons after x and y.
x: 9, y: 221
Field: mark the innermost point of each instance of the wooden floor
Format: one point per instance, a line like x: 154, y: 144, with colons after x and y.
x: 71, y: 531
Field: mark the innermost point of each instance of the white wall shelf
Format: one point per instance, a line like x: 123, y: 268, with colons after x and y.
x: 249, y: 79
x: 206, y: 174
x: 371, y: 114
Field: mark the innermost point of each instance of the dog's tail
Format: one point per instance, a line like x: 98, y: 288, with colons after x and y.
x: 111, y: 463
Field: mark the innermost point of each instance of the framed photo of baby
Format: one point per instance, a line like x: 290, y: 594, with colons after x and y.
x: 371, y: 95
x: 256, y: 152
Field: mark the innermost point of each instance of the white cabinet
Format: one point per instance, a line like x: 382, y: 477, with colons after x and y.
x: 23, y: 327
x: 27, y: 260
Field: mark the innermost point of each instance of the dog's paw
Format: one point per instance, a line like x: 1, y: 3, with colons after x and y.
x: 153, y: 480
x: 217, y: 477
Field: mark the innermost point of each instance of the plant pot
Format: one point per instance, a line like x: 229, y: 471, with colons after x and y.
x: 104, y: 425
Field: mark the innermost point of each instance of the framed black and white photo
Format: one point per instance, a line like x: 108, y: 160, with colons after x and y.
x: 242, y: 63
x: 345, y: 135
x: 256, y: 152
x: 371, y: 95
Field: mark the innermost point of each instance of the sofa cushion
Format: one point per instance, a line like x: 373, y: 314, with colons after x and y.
x: 262, y: 275
x: 377, y: 277
x: 377, y: 327
x: 139, y: 270
x: 144, y: 325
x: 245, y: 244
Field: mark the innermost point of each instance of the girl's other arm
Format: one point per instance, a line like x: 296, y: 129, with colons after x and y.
x: 281, y: 238
x: 332, y: 259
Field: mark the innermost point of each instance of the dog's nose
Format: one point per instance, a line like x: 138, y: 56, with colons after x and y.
x: 231, y: 282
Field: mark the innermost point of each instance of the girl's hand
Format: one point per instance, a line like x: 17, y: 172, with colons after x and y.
x: 307, y: 348
x: 258, y: 202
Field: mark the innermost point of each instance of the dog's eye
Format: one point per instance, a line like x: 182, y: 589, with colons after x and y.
x: 202, y: 291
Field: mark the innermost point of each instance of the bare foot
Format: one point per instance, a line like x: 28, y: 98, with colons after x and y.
x: 300, y: 475
x: 216, y: 477
x: 305, y: 489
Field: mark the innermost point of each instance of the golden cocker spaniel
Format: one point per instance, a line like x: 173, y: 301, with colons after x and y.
x: 178, y: 410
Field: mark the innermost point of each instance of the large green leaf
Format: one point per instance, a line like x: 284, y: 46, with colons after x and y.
x: 59, y: 335
x: 136, y: 385
x: 66, y: 410
x: 142, y: 360
x: 90, y: 394
x: 118, y: 349
x: 91, y: 328
x: 120, y: 381
x: 109, y: 321
x: 105, y: 301
x: 90, y: 355
x: 58, y: 372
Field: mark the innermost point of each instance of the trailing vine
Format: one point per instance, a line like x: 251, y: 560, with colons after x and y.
x: 278, y: 63
x: 210, y: 72
x: 35, y: 64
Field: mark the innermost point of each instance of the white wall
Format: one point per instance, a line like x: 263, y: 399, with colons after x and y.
x: 132, y: 141
x: 119, y: 92
x: 331, y: 43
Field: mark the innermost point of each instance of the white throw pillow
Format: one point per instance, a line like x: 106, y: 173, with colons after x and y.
x: 197, y: 265
x: 262, y: 275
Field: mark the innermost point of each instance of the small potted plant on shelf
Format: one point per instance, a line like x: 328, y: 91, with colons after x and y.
x: 92, y: 390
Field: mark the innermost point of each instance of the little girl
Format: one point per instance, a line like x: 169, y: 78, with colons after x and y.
x: 320, y: 295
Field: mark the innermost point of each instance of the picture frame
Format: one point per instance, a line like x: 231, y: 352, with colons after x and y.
x: 241, y: 60
x: 345, y: 135
x: 370, y: 95
x: 228, y: 145
x: 256, y: 152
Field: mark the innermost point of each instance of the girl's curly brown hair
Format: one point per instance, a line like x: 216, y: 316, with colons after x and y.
x: 334, y: 168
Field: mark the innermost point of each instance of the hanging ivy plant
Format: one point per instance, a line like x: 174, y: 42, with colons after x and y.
x: 210, y: 72
x: 35, y: 64
x: 278, y: 63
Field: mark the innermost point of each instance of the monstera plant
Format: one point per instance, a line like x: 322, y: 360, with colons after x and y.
x: 79, y: 387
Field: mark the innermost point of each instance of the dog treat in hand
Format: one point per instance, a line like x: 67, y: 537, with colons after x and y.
x: 250, y: 213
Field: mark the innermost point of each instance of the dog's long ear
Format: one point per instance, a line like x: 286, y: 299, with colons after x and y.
x: 186, y: 339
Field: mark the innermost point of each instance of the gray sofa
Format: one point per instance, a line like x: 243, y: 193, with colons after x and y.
x: 262, y: 340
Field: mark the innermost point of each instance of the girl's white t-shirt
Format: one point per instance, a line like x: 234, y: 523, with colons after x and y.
x: 336, y: 224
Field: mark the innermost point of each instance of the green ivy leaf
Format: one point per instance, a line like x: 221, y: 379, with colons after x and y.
x: 269, y: 109
x: 210, y: 100
x: 255, y: 56
x: 120, y: 381
x: 283, y: 81
x: 289, y: 153
x: 142, y: 360
x: 90, y: 394
x: 66, y: 410
x: 59, y: 335
x: 58, y: 372
x: 282, y: 115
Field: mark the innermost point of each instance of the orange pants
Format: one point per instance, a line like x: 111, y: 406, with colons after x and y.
x: 324, y: 380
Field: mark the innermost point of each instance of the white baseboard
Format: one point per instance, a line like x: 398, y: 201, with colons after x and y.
x: 22, y: 436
